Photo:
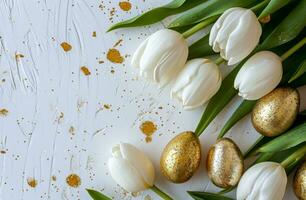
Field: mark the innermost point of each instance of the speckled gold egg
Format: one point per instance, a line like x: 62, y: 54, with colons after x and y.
x: 299, y: 182
x: 181, y: 157
x: 224, y: 163
x: 274, y: 113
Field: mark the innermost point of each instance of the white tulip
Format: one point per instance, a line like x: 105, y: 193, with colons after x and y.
x: 259, y: 75
x: 235, y: 34
x: 131, y: 168
x: 263, y: 181
x: 161, y: 56
x: 197, y: 83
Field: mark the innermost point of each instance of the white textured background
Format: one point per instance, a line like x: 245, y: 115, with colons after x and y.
x: 46, y: 94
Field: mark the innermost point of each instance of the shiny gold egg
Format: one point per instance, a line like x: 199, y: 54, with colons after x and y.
x: 181, y: 157
x: 224, y: 163
x: 274, y: 113
x: 299, y: 182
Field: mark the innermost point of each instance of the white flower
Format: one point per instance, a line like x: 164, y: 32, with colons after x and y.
x: 259, y: 75
x: 263, y: 181
x: 161, y: 56
x: 235, y: 34
x: 131, y: 168
x: 197, y: 83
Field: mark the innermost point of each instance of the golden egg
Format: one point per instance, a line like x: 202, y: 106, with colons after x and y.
x: 274, y: 113
x: 299, y: 182
x: 224, y: 163
x: 181, y: 157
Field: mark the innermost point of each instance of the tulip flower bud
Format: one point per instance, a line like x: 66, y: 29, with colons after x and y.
x: 259, y: 75
x: 197, y: 83
x: 263, y: 181
x: 235, y: 34
x: 161, y: 56
x: 131, y: 168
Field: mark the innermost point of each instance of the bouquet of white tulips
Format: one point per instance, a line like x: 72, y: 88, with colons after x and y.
x: 263, y: 42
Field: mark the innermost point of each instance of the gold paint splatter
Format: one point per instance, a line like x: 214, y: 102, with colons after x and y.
x: 19, y: 56
x: 148, y: 128
x: 66, y: 46
x: 125, y: 5
x: 94, y: 34
x: 118, y: 43
x: 85, y: 70
x: 114, y: 56
x: 32, y: 182
x: 4, y: 112
x: 73, y: 180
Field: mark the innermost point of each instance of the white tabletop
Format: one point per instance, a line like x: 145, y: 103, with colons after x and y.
x: 62, y: 122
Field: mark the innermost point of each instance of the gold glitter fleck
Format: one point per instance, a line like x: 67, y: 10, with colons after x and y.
x: 118, y: 43
x: 114, y: 56
x: 148, y: 128
x: 2, y: 151
x: 107, y: 106
x: 73, y: 180
x: 32, y: 182
x: 85, y: 71
x: 66, y: 46
x: 72, y: 130
x: 19, y: 56
x: 53, y: 178
x: 94, y: 34
x: 4, y: 112
x: 125, y: 5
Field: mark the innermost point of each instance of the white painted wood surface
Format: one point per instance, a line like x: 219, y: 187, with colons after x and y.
x: 46, y: 95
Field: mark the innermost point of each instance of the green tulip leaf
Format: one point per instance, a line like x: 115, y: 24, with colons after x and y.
x: 225, y: 94
x: 95, y: 195
x: 244, y: 108
x: 273, y: 6
x: 206, y: 10
x: 299, y: 72
x: 287, y: 140
x: 157, y: 14
x: 207, y: 196
x: 200, y: 48
x: 288, y: 29
x: 259, y: 142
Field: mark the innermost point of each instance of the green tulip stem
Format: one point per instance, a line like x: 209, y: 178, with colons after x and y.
x: 219, y: 60
x: 294, y: 158
x: 292, y: 50
x: 160, y: 193
x: 199, y: 26
x: 260, y: 5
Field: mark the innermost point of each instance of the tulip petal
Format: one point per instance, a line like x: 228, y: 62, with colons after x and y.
x: 126, y: 175
x: 263, y: 181
x: 197, y: 83
x: 243, y: 40
x: 139, y: 161
x: 216, y: 27
x: 170, y: 65
x: 259, y: 75
x: 138, y: 53
x: 166, y: 50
